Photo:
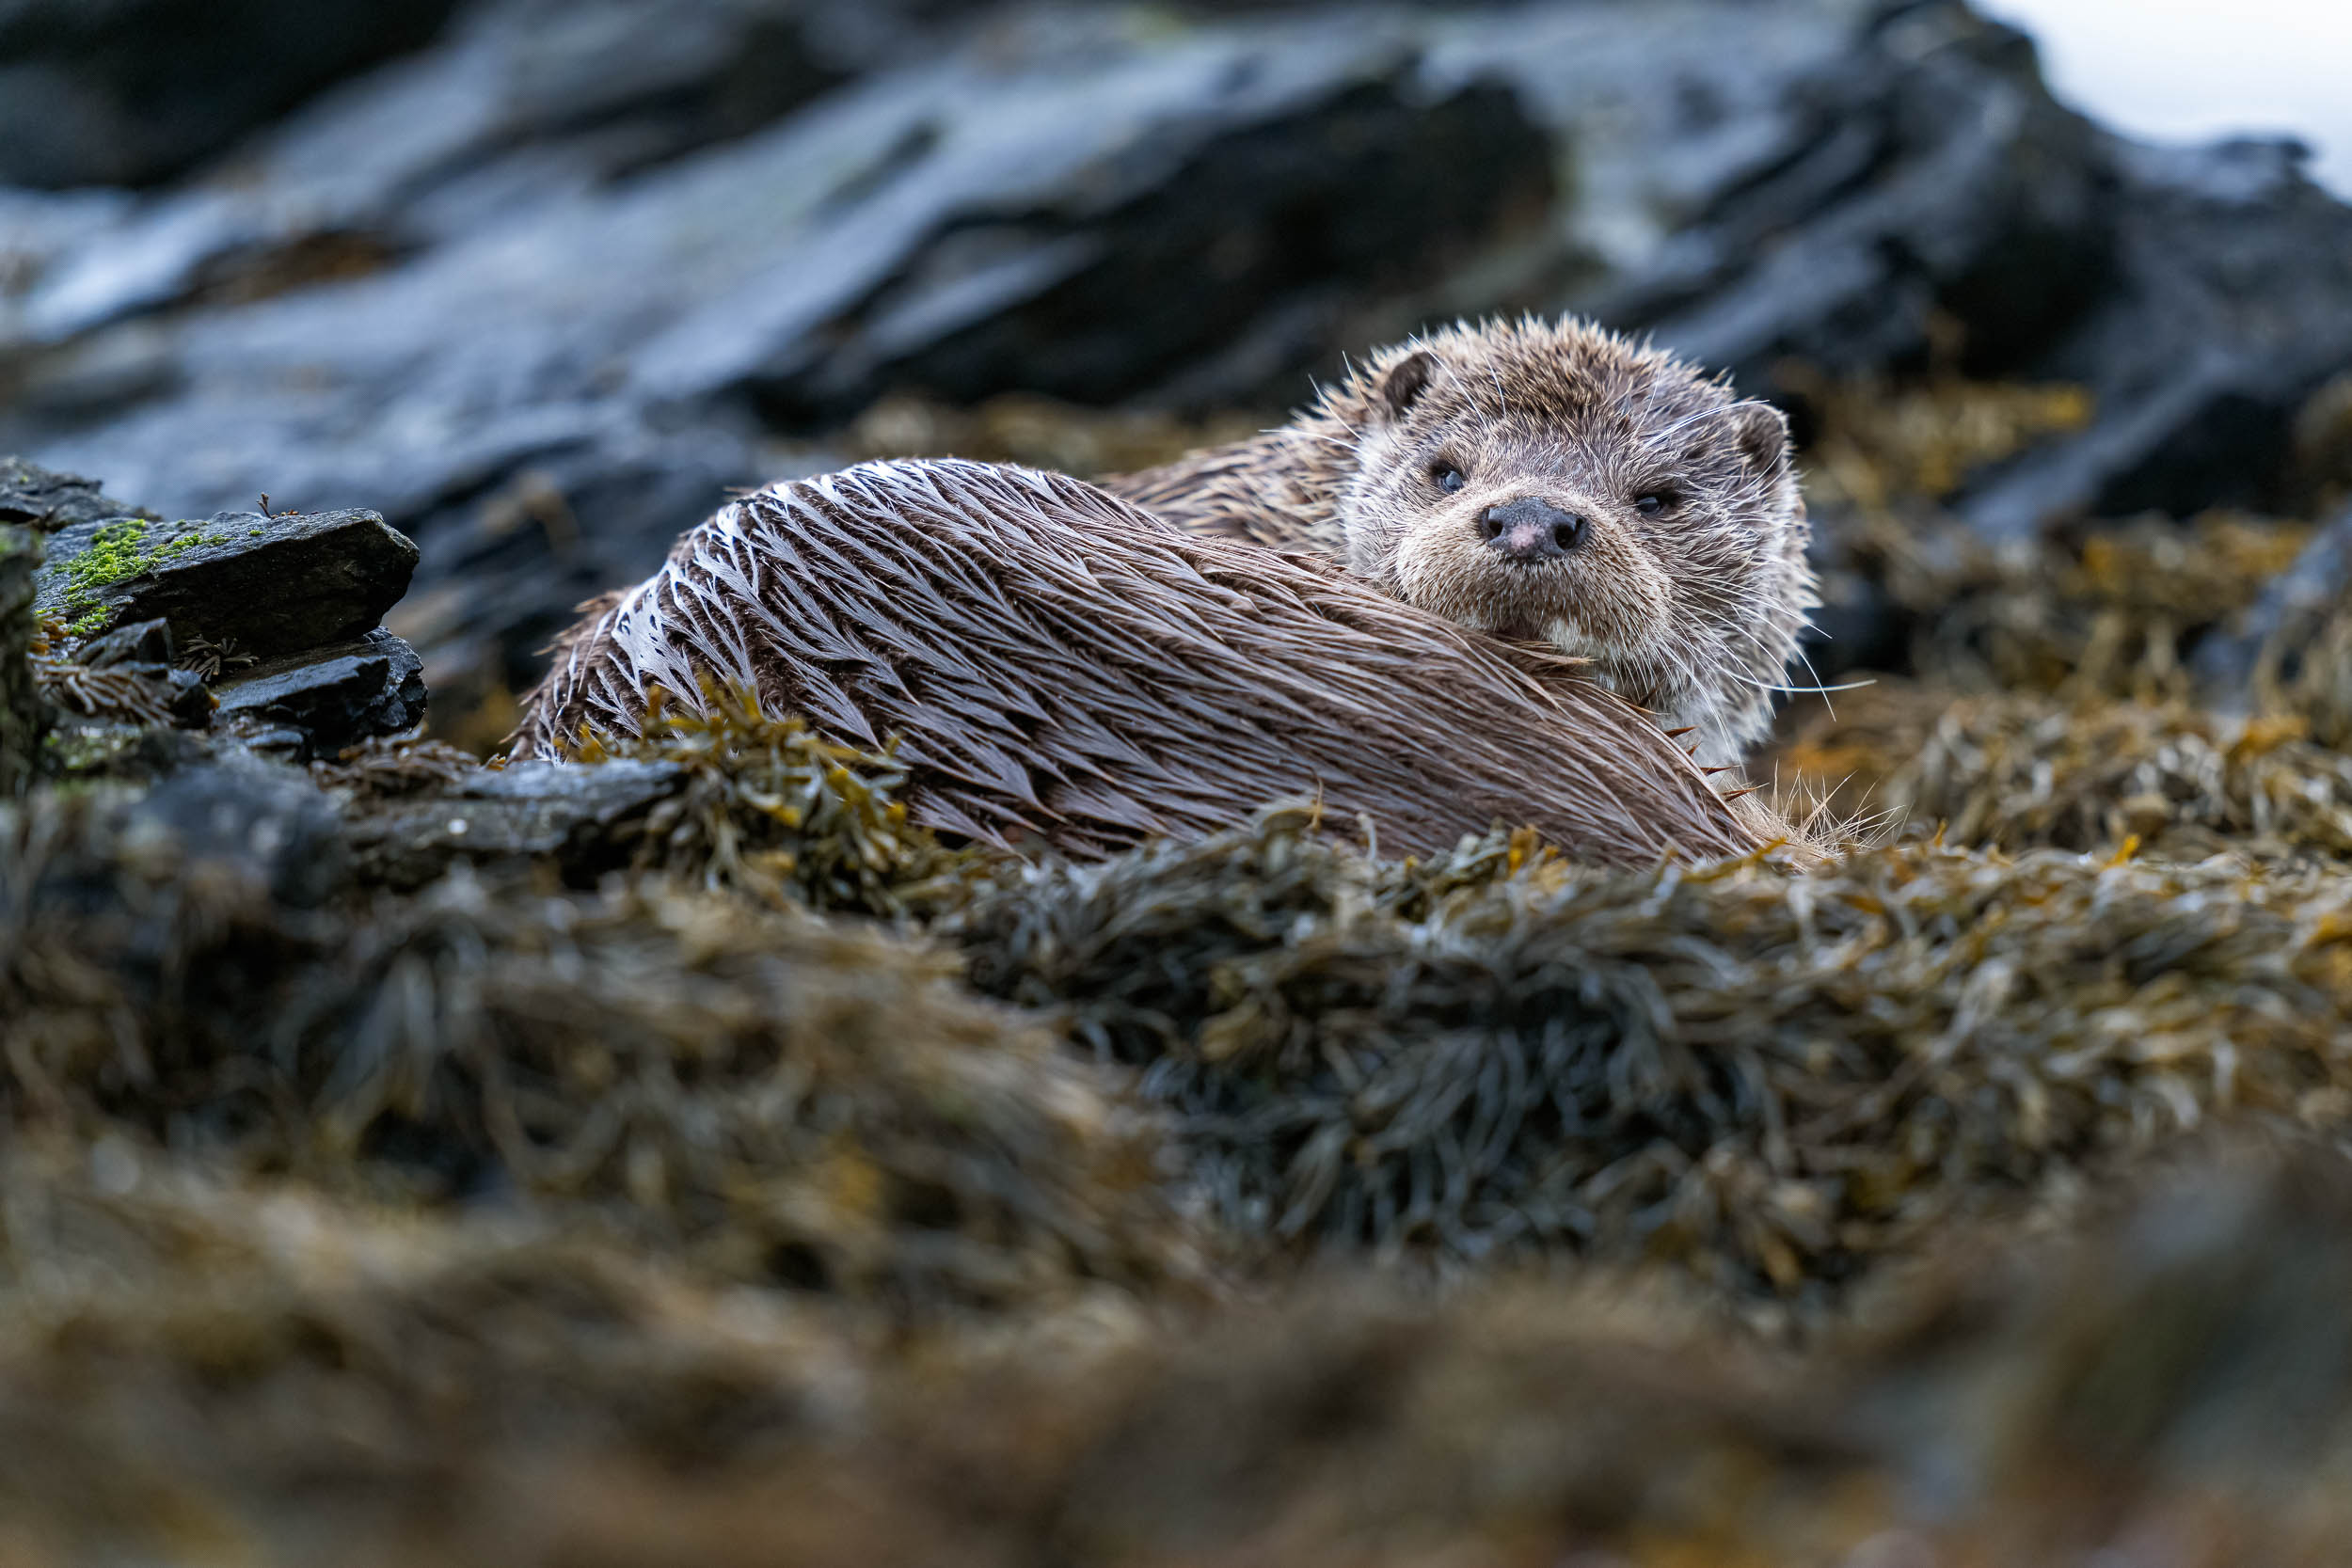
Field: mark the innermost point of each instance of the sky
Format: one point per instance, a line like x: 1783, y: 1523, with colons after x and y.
x: 2194, y: 70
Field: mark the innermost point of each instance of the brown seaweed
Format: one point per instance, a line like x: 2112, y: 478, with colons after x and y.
x: 780, y: 1099
x: 1776, y: 1079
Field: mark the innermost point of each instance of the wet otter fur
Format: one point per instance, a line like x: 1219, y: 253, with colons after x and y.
x: 1546, y: 480
x: 1058, y: 666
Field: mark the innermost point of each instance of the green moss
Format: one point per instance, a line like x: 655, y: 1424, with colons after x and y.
x: 119, y: 552
x: 91, y: 623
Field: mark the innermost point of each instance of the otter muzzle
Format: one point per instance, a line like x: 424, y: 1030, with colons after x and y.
x: 1528, y: 531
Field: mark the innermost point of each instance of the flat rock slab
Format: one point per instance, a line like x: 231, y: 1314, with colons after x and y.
x: 336, y: 696
x: 267, y: 586
x: 585, y: 817
x: 45, y: 499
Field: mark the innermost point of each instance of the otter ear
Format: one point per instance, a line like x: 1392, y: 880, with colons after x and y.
x: 1405, y: 381
x: 1761, y: 432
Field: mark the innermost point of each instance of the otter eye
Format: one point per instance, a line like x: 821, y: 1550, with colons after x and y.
x: 1650, y: 505
x: 1447, y: 476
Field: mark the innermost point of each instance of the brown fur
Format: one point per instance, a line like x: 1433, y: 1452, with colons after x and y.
x: 1059, y: 665
x: 1693, y: 612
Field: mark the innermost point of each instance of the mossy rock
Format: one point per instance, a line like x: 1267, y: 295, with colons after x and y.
x: 265, y: 586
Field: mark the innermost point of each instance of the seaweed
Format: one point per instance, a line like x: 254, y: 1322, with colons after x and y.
x: 201, y: 1368
x: 1037, y: 432
x: 1774, y: 1079
x: 2025, y: 772
x: 774, y: 811
x: 780, y: 1099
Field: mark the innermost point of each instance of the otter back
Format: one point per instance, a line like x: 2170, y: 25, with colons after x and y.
x: 1059, y: 666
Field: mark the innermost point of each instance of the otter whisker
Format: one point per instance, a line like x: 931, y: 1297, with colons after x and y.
x: 1806, y: 659
x: 1798, y: 690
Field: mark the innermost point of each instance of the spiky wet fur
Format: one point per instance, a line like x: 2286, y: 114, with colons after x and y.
x: 1693, y: 613
x: 1063, y: 668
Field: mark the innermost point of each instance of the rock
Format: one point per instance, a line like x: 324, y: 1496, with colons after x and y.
x: 24, y: 714
x: 46, y: 500
x: 147, y: 642
x: 265, y: 822
x: 130, y: 91
x: 262, y: 585
x: 2230, y: 304
x: 2294, y: 608
x: 1922, y: 174
x: 1086, y: 209
x: 331, y: 697
x: 586, y: 818
x: 84, y: 749
x: 505, y: 568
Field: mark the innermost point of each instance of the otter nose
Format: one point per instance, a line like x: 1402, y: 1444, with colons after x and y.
x: 1528, y: 530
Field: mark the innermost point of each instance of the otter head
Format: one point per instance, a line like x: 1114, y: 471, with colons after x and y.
x: 1551, y: 482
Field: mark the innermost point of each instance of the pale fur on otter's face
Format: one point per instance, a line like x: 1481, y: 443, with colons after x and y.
x: 1684, y: 581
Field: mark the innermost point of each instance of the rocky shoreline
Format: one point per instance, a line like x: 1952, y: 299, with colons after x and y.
x: 680, y: 1156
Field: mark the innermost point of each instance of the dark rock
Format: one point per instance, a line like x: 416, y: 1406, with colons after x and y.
x: 262, y: 585
x: 128, y: 675
x: 335, y: 696
x: 2231, y: 305
x: 1927, y: 183
x: 128, y: 91
x: 147, y: 642
x: 526, y: 103
x: 507, y: 566
x: 585, y: 818
x: 1370, y: 179
x: 23, y: 715
x: 268, y: 822
x: 271, y: 742
x: 2292, y: 609
x: 85, y: 749
x: 49, y: 500
x: 191, y: 702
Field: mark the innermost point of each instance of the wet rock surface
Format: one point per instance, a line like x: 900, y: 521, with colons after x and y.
x: 44, y: 501
x: 265, y: 585
x: 333, y: 696
x: 264, y: 824
x: 131, y: 91
x: 582, y: 819
x: 268, y: 622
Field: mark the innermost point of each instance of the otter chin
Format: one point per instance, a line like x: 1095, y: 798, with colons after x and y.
x: 1547, y: 481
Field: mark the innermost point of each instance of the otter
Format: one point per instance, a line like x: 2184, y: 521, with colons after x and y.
x: 1545, y: 481
x: 1059, y: 666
